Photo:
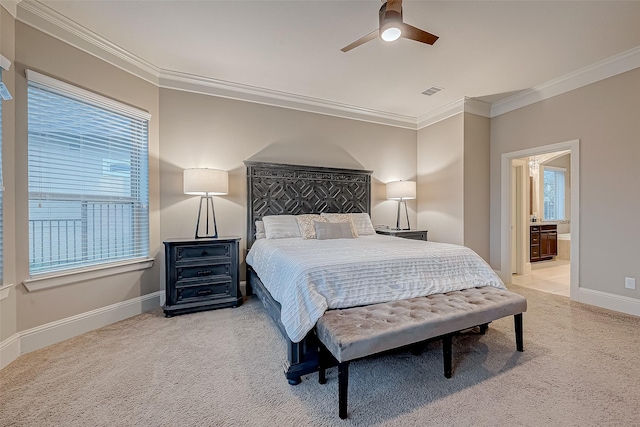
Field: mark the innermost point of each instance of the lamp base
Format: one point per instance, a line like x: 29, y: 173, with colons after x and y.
x: 209, y: 215
x: 398, y: 216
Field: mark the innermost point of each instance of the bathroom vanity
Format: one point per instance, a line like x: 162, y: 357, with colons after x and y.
x: 544, y: 242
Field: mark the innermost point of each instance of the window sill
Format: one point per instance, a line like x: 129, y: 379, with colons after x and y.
x: 4, y: 291
x: 65, y: 278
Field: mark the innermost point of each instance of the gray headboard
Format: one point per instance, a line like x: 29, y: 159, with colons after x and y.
x: 276, y: 189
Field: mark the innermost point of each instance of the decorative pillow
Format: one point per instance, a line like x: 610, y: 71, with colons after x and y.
x: 363, y: 224
x: 260, y: 233
x: 342, y: 217
x: 333, y: 230
x: 306, y: 223
x: 281, y: 226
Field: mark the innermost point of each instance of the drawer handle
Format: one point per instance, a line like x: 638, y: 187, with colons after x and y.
x: 205, y: 253
x: 204, y: 292
x: 203, y: 272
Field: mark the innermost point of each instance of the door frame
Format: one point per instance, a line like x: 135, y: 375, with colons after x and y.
x: 506, y: 203
x: 520, y: 217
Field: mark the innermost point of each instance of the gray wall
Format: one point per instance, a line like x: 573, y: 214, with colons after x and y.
x: 604, y: 117
x: 476, y: 183
x: 453, y: 181
x: 441, y: 180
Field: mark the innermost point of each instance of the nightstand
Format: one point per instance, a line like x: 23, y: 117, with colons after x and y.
x: 406, y: 234
x: 201, y: 274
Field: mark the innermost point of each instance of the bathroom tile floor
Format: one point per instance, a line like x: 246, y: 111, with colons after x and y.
x: 546, y: 276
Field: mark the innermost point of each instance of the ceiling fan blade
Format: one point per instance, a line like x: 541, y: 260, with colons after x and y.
x: 372, y: 35
x: 413, y: 33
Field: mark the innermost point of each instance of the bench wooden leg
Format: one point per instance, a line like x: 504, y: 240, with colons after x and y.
x: 322, y: 370
x: 446, y: 355
x: 322, y: 375
x: 517, y: 320
x: 343, y: 385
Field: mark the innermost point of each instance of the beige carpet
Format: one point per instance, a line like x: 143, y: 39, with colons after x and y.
x: 223, y: 368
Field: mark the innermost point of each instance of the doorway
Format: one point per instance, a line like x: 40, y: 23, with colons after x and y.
x: 519, y: 199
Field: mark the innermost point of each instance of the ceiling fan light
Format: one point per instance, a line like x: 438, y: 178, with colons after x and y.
x: 391, y: 34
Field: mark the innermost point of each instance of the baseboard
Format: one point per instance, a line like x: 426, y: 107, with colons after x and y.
x: 610, y: 301
x: 9, y: 350
x: 60, y: 330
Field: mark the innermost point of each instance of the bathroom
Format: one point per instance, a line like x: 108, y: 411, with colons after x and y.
x: 550, y: 196
x: 541, y: 212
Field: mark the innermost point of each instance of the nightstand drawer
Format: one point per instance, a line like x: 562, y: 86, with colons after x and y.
x: 415, y: 235
x: 205, y: 270
x: 210, y: 251
x: 203, y: 292
x: 405, y: 234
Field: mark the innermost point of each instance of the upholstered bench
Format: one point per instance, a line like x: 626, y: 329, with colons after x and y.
x: 357, y: 332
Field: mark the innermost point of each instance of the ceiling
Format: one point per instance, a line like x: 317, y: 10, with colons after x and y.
x: 487, y: 50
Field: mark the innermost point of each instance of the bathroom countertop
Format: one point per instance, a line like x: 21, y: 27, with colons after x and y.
x: 563, y: 221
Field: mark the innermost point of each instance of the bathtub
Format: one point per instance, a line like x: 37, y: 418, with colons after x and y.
x: 564, y: 246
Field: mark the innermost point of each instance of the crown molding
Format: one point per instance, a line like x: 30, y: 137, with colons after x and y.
x: 58, y: 26
x: 477, y: 107
x: 11, y: 6
x: 462, y: 105
x: 50, y: 22
x: 442, y: 113
x: 604, y: 69
x: 209, y: 86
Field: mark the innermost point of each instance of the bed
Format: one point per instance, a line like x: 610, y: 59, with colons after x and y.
x: 371, y: 269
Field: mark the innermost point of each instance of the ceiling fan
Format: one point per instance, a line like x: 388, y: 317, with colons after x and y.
x: 392, y: 27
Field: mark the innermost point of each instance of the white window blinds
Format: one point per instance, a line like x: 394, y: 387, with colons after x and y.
x: 88, y: 178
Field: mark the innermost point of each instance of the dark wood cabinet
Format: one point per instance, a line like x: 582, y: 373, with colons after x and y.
x: 544, y: 242
x: 405, y: 234
x: 201, y: 274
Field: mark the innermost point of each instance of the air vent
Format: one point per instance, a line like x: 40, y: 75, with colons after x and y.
x: 432, y: 90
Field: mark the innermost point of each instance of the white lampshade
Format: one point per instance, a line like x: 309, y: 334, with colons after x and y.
x: 201, y: 181
x: 401, y: 190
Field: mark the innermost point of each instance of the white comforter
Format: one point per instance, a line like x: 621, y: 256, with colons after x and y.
x: 307, y: 277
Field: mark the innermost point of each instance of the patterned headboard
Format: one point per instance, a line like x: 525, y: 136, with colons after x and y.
x: 276, y: 189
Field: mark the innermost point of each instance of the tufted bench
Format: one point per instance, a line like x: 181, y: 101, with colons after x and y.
x: 357, y: 332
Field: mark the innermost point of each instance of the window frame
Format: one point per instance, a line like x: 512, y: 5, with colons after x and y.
x: 61, y: 276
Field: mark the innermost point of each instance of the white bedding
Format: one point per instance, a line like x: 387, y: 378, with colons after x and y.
x: 308, y: 277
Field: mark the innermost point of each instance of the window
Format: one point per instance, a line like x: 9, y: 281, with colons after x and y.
x: 88, y: 178
x: 553, y: 193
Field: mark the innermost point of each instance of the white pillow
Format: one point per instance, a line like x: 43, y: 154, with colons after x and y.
x: 363, y: 224
x: 260, y: 233
x: 281, y: 226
